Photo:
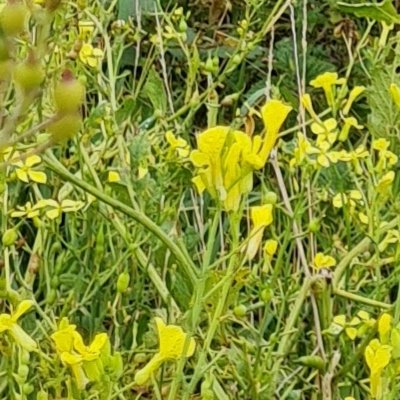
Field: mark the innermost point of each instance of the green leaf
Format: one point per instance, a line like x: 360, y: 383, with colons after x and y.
x: 382, y: 12
x: 154, y: 90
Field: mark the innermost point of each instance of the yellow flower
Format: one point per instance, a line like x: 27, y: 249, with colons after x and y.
x: 64, y: 336
x: 380, y: 144
x: 91, y: 56
x: 354, y: 94
x: 91, y: 352
x: 326, y: 81
x: 274, y: 114
x: 351, y: 199
x: 307, y: 104
x: 386, y: 157
x: 226, y: 158
x: 384, y: 327
x: 9, y: 324
x: 303, y: 149
x: 178, y: 145
x: 27, y: 210
x: 57, y: 208
x: 270, y: 247
x: 395, y: 92
x: 377, y: 357
x: 385, y: 182
x: 25, y: 173
x: 326, y: 157
x: 326, y: 131
x: 172, y: 341
x: 113, y: 177
x: 323, y: 261
x: 261, y: 217
x: 348, y: 123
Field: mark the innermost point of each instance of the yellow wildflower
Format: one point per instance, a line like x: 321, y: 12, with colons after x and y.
x: 27, y: 210
x: 25, y: 173
x: 326, y: 81
x: 261, y: 217
x: 303, y: 149
x: 348, y: 123
x: 386, y: 157
x: 9, y: 324
x: 385, y: 182
x: 354, y: 94
x: 323, y: 261
x: 57, y: 208
x: 172, y: 341
x: 385, y: 327
x: 91, y: 56
x: 326, y: 130
x: 351, y: 199
x: 270, y: 247
x: 377, y: 357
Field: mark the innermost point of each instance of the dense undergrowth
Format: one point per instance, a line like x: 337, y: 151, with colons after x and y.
x: 199, y: 199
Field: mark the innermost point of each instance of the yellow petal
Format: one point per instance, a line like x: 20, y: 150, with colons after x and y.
x: 53, y: 214
x: 32, y: 160
x: 212, y: 141
x: 351, y: 332
x: 99, y: 342
x: 261, y: 215
x: 395, y: 92
x: 113, y: 176
x: 22, y: 175
x: 198, y: 182
x: 270, y: 247
x: 384, y: 327
x: 340, y: 320
x: 199, y: 159
x: 22, y: 308
x: 37, y: 176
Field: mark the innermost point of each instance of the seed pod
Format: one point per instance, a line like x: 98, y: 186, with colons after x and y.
x: 123, y: 282
x: 29, y: 74
x: 312, y: 361
x: 13, y: 18
x: 69, y: 94
x: 65, y: 128
x: 9, y: 237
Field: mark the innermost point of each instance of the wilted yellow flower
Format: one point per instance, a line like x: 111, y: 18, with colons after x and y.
x: 90, y: 55
x: 261, y: 217
x: 323, y: 261
x: 26, y: 173
x: 171, y: 348
x: 9, y: 324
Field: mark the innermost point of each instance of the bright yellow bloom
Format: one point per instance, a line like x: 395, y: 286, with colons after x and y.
x: 323, y: 261
x: 226, y: 158
x: 354, y: 94
x: 9, y: 324
x: 326, y: 81
x: 377, y: 357
x: 91, y: 56
x: 261, y: 217
x: 384, y: 327
x: 25, y: 173
x: 172, y: 341
x: 270, y: 247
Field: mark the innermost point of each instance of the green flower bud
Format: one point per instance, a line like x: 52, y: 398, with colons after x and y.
x: 312, y: 362
x: 123, y: 282
x: 240, y: 310
x: 9, y: 237
x: 270, y: 198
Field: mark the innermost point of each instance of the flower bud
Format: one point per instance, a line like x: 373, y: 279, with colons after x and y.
x: 123, y: 282
x: 9, y: 237
x: 240, y: 310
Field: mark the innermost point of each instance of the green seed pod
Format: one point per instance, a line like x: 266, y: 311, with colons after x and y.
x: 65, y: 128
x: 69, y: 94
x: 240, y: 310
x: 13, y: 18
x: 51, y: 297
x: 123, y: 282
x: 28, y: 75
x: 9, y: 237
x: 312, y: 362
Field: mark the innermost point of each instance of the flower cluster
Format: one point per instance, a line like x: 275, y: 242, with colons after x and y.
x: 355, y: 327
x: 226, y: 158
